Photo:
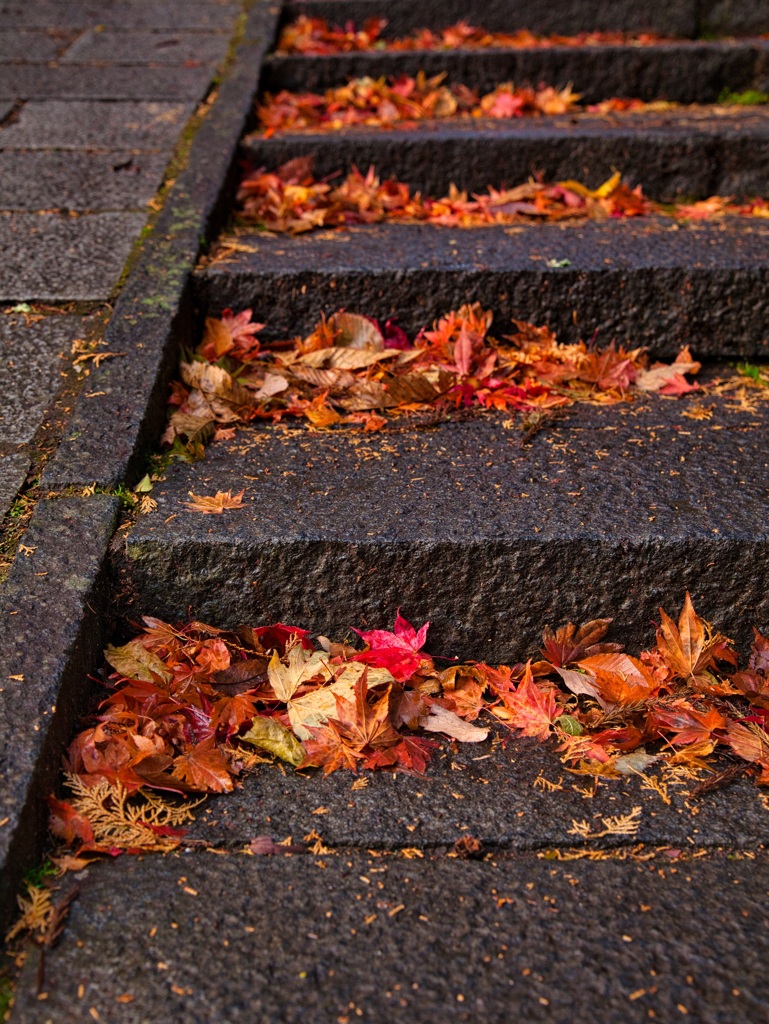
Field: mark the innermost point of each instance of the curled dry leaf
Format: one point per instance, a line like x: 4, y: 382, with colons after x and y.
x: 214, y: 504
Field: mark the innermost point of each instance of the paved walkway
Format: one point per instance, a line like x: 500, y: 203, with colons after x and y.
x: 94, y: 97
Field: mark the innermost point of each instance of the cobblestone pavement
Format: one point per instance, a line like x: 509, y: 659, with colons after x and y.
x: 94, y: 98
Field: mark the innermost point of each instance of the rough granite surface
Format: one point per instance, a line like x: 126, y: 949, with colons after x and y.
x: 13, y: 470
x: 52, y: 257
x: 610, y: 512
x: 693, y: 153
x: 201, y: 939
x: 644, y: 282
x: 687, y: 72
x: 50, y: 638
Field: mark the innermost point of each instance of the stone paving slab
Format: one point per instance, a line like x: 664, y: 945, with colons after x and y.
x: 32, y: 358
x: 30, y: 47
x: 84, y: 82
x: 52, y: 124
x: 337, y: 939
x: 119, y: 47
x: 13, y: 470
x: 643, y: 282
x: 76, y: 180
x: 486, y: 790
x: 694, y: 152
x: 49, y: 257
x: 132, y: 16
x: 610, y: 512
x: 6, y: 106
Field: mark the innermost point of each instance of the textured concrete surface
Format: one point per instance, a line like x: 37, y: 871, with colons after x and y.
x: 384, y: 939
x: 13, y: 469
x: 32, y: 47
x: 486, y: 790
x: 645, y: 282
x: 50, y: 257
x: 76, y: 124
x: 611, y: 512
x: 100, y: 82
x: 111, y: 436
x: 33, y: 355
x: 50, y: 637
x: 121, y: 47
x: 77, y: 180
x: 683, y: 72
x: 133, y: 15
x: 670, y: 154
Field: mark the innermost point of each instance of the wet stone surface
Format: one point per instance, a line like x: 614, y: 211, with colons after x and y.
x: 382, y: 939
x: 612, y: 511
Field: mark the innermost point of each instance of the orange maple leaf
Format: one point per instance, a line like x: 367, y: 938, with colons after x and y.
x: 216, y: 504
x: 529, y: 708
x: 689, y: 649
x: 204, y: 767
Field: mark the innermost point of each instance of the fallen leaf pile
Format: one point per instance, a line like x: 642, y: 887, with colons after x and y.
x: 290, y: 199
x: 350, y: 370
x: 383, y: 102
x: 192, y: 707
x: 315, y: 36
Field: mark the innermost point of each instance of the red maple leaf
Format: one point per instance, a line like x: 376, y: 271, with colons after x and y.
x: 398, y: 651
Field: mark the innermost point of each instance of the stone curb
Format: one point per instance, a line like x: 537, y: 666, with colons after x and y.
x: 111, y: 434
x: 52, y: 627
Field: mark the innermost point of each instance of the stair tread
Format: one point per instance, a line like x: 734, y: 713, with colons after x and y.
x: 290, y: 939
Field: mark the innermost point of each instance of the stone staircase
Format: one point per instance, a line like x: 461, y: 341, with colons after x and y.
x: 607, y: 512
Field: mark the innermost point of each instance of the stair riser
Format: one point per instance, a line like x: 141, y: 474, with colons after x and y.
x: 720, y: 313
x: 678, y: 17
x: 486, y: 600
x: 684, y: 74
x: 695, y: 165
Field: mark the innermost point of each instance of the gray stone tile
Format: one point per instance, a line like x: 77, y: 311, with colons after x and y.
x: 32, y: 358
x: 116, y: 47
x: 56, y: 124
x: 28, y: 46
x: 6, y: 106
x: 50, y: 257
x: 76, y: 180
x: 90, y: 82
x: 13, y: 469
x: 147, y: 16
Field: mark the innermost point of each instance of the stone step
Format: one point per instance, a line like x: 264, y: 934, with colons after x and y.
x: 484, y: 790
x: 677, y: 18
x: 695, y: 152
x: 644, y: 282
x: 335, y: 939
x: 683, y: 72
x: 612, y: 511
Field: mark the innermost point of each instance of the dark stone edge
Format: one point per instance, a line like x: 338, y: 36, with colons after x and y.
x: 70, y: 643
x: 110, y: 436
